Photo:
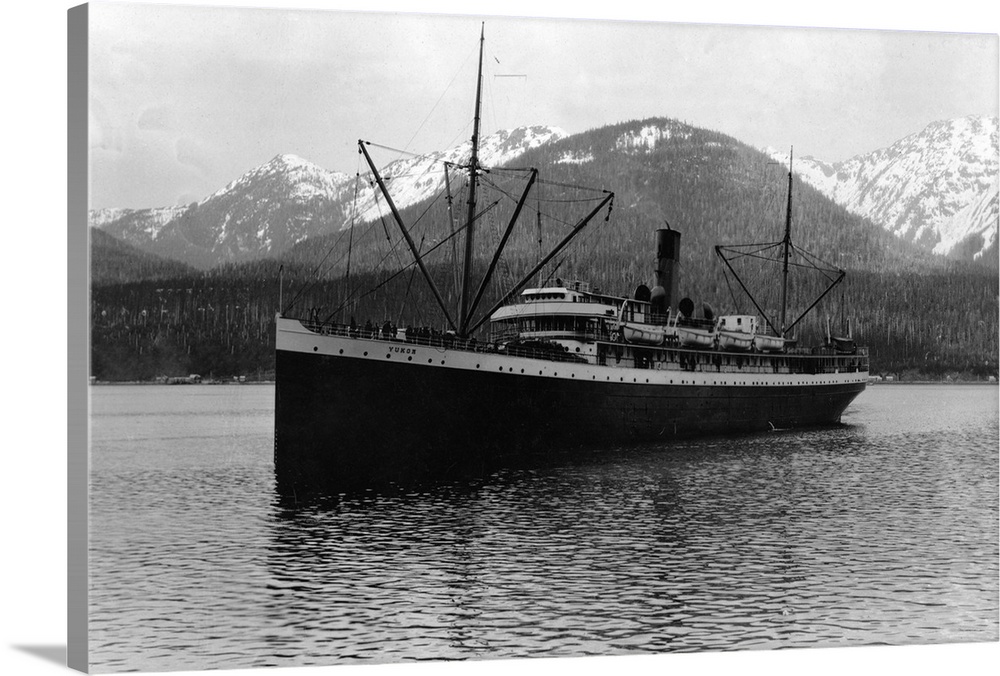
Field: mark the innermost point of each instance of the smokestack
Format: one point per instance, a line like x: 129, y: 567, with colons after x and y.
x: 668, y: 261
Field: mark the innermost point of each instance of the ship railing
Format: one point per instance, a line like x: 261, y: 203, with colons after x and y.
x: 795, y: 361
x: 424, y: 336
x: 585, y: 336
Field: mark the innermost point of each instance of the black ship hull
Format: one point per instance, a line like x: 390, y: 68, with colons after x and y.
x: 388, y: 413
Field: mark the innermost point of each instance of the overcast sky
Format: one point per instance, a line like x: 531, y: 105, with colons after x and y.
x: 185, y: 99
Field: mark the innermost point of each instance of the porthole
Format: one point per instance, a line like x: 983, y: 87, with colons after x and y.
x: 316, y: 349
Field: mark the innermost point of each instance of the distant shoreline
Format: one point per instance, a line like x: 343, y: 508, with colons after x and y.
x: 932, y: 382
x: 153, y: 382
x: 271, y: 382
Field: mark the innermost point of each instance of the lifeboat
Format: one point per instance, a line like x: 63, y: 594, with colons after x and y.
x: 763, y: 343
x: 735, y: 341
x: 647, y: 334
x: 690, y: 336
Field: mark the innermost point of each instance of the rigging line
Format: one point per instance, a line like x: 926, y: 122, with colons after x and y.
x: 761, y: 248
x: 409, y: 284
x: 502, y: 191
x: 816, y: 260
x: 505, y: 169
x: 732, y: 294
x: 486, y: 179
x: 392, y: 250
x: 739, y: 249
x: 490, y: 98
x: 575, y: 186
x: 550, y: 218
x: 354, y: 213
x: 414, y: 155
x: 351, y: 298
x: 453, y: 143
x: 824, y: 272
x: 559, y: 221
x: 311, y: 284
x: 756, y: 256
x: 576, y: 200
x: 378, y: 266
x: 419, y: 218
x: 777, y: 260
x: 352, y: 292
x: 441, y: 97
x: 394, y: 247
x: 322, y: 261
x: 811, y: 262
x: 435, y: 157
x: 437, y: 197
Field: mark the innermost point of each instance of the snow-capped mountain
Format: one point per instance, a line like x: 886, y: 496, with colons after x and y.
x: 288, y: 199
x: 937, y: 188
x: 414, y: 179
x: 264, y: 211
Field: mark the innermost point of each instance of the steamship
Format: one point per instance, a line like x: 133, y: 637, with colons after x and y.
x: 563, y: 364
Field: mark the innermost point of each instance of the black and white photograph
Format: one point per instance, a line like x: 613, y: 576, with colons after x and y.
x: 412, y: 338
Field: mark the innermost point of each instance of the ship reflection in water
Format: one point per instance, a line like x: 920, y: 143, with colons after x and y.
x: 882, y: 530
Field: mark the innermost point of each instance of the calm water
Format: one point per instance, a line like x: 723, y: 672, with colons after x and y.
x: 882, y: 531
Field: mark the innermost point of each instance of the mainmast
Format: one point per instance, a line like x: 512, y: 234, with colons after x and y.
x: 463, y: 314
x: 782, y: 327
x: 786, y: 243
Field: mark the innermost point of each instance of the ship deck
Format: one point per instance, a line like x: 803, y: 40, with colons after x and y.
x: 616, y: 354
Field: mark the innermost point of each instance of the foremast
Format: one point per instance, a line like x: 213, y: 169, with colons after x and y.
x: 463, y: 312
x: 464, y: 327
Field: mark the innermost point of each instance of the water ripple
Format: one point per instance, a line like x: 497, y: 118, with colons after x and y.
x: 882, y: 531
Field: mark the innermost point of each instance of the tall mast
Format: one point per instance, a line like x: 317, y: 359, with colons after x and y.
x: 451, y: 230
x: 473, y: 170
x: 786, y: 243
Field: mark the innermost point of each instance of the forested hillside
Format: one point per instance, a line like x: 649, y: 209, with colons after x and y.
x: 113, y: 260
x: 917, y: 312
